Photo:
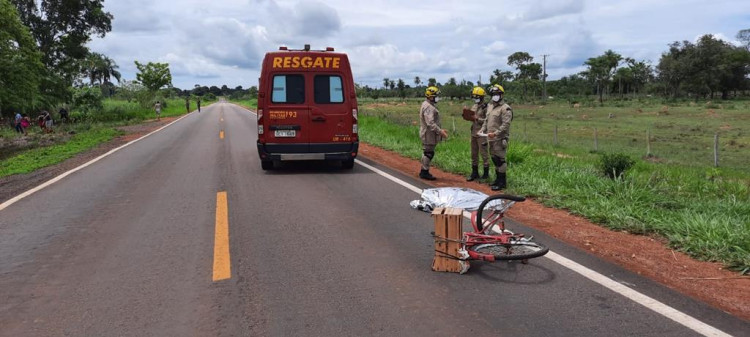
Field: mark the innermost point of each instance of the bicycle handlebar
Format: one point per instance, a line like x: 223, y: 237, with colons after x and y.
x: 511, y: 197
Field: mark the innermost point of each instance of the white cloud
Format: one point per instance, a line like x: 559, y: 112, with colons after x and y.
x: 223, y: 42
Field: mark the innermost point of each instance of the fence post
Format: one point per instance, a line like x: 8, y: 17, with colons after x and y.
x: 648, y: 143
x: 716, y: 149
x: 454, y: 124
x: 555, y: 134
x: 525, y: 136
x: 596, y: 140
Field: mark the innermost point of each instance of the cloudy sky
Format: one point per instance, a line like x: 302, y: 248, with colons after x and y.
x: 223, y: 41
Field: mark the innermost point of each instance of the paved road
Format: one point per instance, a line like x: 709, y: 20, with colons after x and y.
x: 126, y: 247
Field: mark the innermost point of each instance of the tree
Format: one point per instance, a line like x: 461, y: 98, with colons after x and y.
x: 500, y: 77
x: 61, y: 30
x: 153, y: 76
x: 392, y: 84
x: 601, y: 69
x: 386, y: 82
x: 100, y: 68
x: 20, y: 62
x: 431, y: 82
x: 401, y: 88
x: 526, y: 71
x: 744, y: 37
x: 704, y: 68
x: 417, y: 81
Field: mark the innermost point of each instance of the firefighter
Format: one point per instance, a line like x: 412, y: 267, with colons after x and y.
x: 430, y: 131
x: 478, y: 144
x: 497, y: 128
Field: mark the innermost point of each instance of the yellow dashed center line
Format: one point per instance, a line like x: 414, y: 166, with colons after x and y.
x: 222, y: 269
x: 221, y: 134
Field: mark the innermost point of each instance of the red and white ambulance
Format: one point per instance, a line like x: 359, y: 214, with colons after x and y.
x: 307, y: 107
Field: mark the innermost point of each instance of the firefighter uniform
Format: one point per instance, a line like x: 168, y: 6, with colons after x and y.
x: 430, y: 133
x: 499, y: 116
x: 479, y: 144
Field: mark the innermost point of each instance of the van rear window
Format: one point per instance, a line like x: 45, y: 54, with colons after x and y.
x: 328, y: 89
x: 288, y: 89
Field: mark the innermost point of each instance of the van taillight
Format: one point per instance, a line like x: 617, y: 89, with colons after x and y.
x: 354, y: 114
x: 260, y: 114
x: 355, y: 129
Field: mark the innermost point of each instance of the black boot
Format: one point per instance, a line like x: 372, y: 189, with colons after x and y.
x: 425, y: 174
x: 500, y: 182
x: 486, y: 174
x: 474, y: 173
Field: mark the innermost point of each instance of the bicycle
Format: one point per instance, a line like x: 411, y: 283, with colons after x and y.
x: 491, y: 241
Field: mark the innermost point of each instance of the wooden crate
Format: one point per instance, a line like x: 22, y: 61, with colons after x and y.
x: 448, y: 231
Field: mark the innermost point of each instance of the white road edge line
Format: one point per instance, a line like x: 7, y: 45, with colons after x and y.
x: 648, y: 302
x: 60, y: 177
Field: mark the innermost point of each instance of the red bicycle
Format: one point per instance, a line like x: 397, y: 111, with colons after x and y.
x: 491, y: 241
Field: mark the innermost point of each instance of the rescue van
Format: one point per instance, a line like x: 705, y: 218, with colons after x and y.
x: 307, y: 107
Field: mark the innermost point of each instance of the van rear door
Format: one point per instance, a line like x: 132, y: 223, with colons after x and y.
x: 330, y: 114
x: 289, y: 117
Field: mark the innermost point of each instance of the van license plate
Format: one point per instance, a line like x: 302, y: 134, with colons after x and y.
x: 285, y: 133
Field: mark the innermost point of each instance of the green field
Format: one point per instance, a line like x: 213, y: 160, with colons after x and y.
x: 702, y: 210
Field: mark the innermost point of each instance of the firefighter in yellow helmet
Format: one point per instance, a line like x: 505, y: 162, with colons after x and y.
x: 478, y: 144
x: 497, y: 128
x: 430, y: 131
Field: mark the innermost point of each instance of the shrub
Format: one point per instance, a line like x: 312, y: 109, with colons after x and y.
x: 614, y: 165
x: 87, y: 99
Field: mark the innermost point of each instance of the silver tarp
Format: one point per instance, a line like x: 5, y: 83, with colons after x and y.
x: 456, y: 197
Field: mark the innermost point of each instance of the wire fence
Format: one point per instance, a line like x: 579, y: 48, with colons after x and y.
x: 721, y: 150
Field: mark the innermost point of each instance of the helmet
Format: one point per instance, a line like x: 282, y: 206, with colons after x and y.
x: 496, y: 89
x: 477, y: 92
x: 432, y: 91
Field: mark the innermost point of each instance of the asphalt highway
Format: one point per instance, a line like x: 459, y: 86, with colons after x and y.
x: 182, y: 234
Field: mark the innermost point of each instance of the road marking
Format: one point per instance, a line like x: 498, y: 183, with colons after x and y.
x: 648, y: 302
x: 60, y: 177
x: 222, y: 269
x: 221, y: 134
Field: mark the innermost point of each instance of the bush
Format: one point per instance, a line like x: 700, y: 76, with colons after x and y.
x: 87, y: 99
x: 614, y: 165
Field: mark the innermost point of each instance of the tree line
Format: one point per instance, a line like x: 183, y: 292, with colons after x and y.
x: 45, y: 63
x: 705, y: 69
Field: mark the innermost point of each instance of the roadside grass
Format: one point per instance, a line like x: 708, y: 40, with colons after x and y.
x: 247, y: 103
x: 24, y: 154
x: 40, y: 157
x: 700, y: 210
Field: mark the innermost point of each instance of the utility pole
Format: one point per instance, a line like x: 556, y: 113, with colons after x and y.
x: 544, y: 79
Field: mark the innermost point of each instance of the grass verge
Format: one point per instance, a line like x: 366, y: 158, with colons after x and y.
x: 700, y: 213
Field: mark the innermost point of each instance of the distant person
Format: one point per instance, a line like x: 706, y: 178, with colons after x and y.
x: 17, y: 123
x: 478, y: 144
x: 430, y: 131
x: 497, y: 128
x: 47, y: 121
x: 198, y: 101
x: 187, y: 104
x: 25, y: 123
x: 157, y: 108
x: 64, y: 114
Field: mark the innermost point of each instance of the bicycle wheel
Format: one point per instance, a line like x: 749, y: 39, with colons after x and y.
x: 493, y: 204
x: 518, y: 250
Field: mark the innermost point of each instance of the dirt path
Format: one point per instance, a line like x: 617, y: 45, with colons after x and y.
x: 647, y: 256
